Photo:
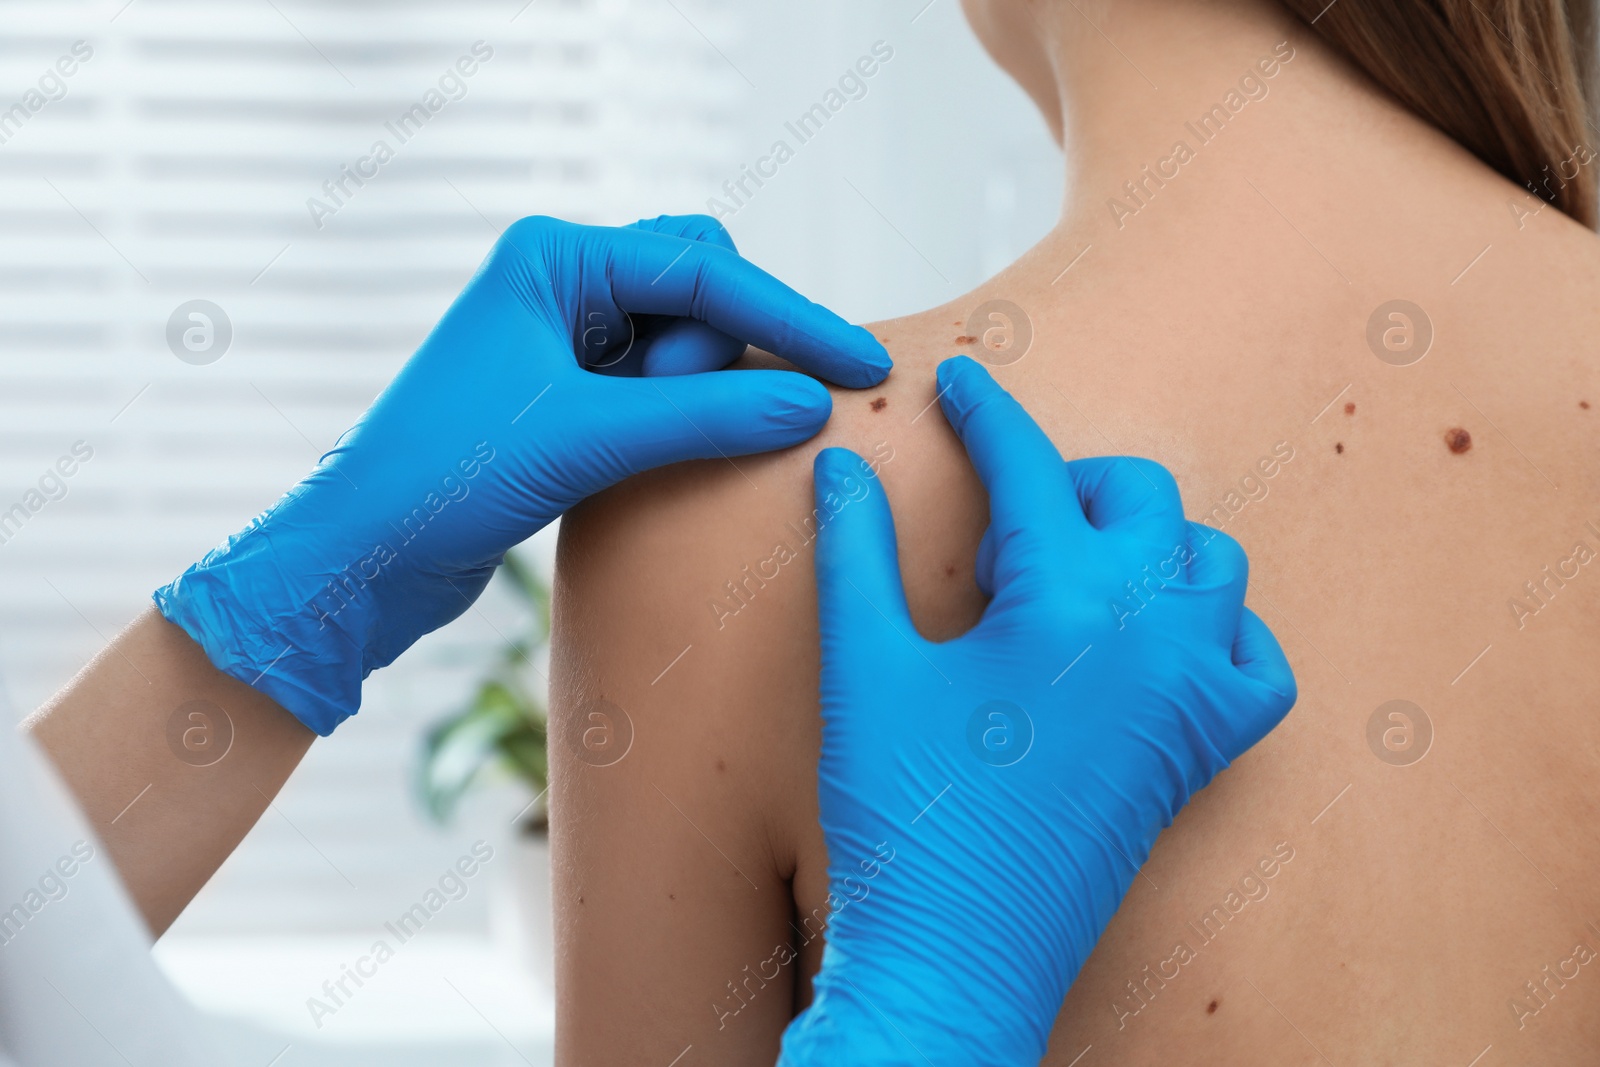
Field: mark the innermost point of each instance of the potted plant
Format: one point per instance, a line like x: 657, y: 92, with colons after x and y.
x: 501, y: 730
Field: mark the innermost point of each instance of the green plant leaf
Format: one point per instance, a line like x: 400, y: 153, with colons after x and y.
x: 503, y: 725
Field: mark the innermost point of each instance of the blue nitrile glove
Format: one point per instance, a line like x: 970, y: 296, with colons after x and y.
x: 986, y: 801
x: 498, y: 424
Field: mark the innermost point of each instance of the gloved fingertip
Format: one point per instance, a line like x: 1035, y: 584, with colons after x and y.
x: 854, y: 358
x: 958, y: 378
x: 832, y: 466
x: 798, y: 401
x: 720, y: 413
x: 1259, y: 657
x: 954, y: 365
x: 777, y: 408
x: 874, y: 357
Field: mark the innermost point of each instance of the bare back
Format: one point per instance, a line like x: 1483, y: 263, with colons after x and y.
x: 1377, y: 882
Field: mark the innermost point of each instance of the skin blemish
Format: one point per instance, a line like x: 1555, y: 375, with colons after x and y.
x: 1211, y: 1009
x: 879, y: 403
x: 1457, y: 440
x: 1339, y: 447
x: 1349, y: 409
x: 721, y: 766
x: 966, y: 339
x: 1584, y: 404
x: 672, y: 896
x: 949, y: 570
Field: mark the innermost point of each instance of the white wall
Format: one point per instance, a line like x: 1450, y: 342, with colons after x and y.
x: 943, y: 145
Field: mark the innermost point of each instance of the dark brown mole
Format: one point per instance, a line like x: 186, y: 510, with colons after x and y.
x: 580, y: 900
x: 966, y: 339
x: 1339, y: 447
x: 1350, y: 408
x: 721, y: 766
x: 949, y: 570
x: 1457, y: 440
x: 879, y: 403
x: 672, y: 896
x: 1584, y: 404
x: 1211, y: 1008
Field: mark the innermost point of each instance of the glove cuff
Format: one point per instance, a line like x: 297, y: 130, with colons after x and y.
x: 257, y: 623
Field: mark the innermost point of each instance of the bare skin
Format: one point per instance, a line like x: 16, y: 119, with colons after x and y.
x: 169, y: 802
x: 1221, y: 325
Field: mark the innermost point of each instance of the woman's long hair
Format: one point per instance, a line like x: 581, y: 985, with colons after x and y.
x: 1512, y: 80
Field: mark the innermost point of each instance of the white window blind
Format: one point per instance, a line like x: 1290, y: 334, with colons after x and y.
x: 176, y: 165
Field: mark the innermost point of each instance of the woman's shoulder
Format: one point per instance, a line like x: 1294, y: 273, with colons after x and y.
x: 721, y: 549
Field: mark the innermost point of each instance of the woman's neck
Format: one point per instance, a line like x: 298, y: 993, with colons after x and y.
x: 1135, y: 79
x: 1230, y: 123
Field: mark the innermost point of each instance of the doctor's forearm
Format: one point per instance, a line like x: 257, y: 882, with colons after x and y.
x: 171, y: 760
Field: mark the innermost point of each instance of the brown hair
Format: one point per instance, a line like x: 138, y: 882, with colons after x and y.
x: 1511, y: 80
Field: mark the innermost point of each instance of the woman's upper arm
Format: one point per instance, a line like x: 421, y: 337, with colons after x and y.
x: 683, y: 746
x: 690, y: 874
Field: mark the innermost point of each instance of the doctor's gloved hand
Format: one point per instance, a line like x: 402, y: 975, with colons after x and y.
x: 987, y: 801
x: 576, y: 357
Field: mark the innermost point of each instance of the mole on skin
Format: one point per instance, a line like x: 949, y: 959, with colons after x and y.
x: 1211, y: 1008
x: 1339, y: 447
x: 1457, y: 440
x: 1350, y: 409
x: 1584, y: 404
x: 965, y: 340
x: 879, y: 403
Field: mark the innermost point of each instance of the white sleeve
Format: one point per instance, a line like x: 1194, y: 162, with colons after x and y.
x: 77, y: 982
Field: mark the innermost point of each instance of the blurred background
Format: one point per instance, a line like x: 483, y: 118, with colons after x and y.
x: 176, y: 164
